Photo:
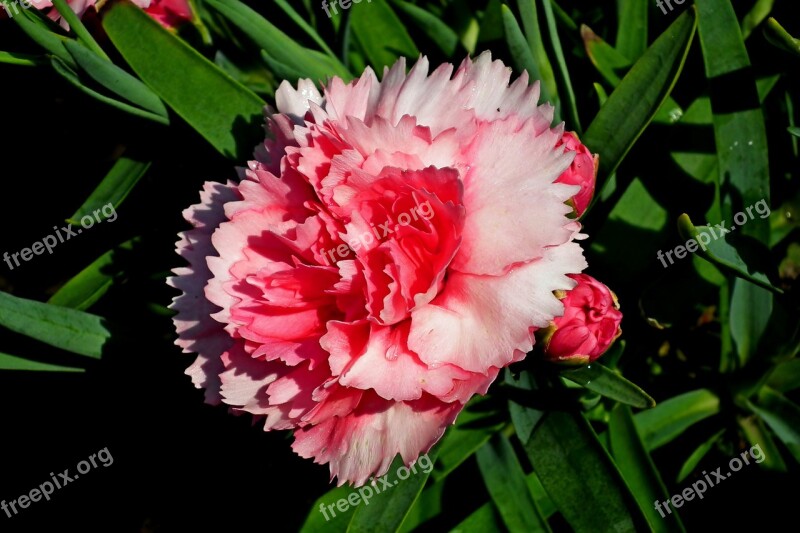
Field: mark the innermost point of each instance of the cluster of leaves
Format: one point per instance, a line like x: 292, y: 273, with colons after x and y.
x: 714, y: 338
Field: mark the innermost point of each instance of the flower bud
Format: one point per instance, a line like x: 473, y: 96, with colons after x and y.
x: 582, y: 171
x: 589, y: 326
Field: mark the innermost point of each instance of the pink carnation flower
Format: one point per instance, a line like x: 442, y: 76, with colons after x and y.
x: 582, y: 171
x: 392, y: 247
x: 170, y: 13
x: 589, y: 326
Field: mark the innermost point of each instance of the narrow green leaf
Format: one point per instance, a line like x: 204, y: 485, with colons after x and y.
x: 156, y: 55
x: 672, y: 417
x: 574, y: 468
x: 639, y: 470
x: 756, y: 16
x: 696, y: 456
x: 568, y: 98
x: 722, y: 253
x: 437, y: 31
x: 757, y: 434
x: 506, y: 483
x: 739, y: 131
x: 611, y: 64
x: 116, y: 80
x: 12, y: 362
x: 115, y: 187
x: 781, y: 415
x: 68, y: 329
x: 75, y: 24
x: 63, y: 69
x: 632, y: 27
x: 751, y: 307
x: 91, y: 283
x: 25, y: 60
x: 529, y: 16
x: 786, y: 376
x: 388, y: 509
x: 381, y: 34
x: 472, y: 430
x: 53, y: 43
x: 608, y: 383
x: 794, y: 131
x: 523, y: 417
x: 634, y: 103
x: 305, y: 26
x: 285, y: 50
x: 781, y: 38
x: 520, y: 51
x: 324, y: 519
x: 484, y: 519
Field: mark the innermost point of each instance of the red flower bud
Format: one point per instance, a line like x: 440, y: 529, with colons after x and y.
x: 589, y: 326
x: 582, y: 171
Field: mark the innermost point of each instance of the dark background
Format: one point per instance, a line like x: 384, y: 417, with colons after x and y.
x: 180, y: 465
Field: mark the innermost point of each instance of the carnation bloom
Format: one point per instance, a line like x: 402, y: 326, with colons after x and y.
x: 393, y: 245
x: 582, y: 171
x: 588, y: 327
x: 169, y: 13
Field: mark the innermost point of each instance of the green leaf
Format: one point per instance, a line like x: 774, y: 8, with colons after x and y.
x: 285, y: 50
x: 756, y: 16
x: 25, y: 60
x: 634, y: 103
x: 781, y: 415
x: 632, y: 28
x: 722, y: 253
x: 437, y: 31
x: 781, y: 38
x: 115, y: 187
x: 696, y: 456
x: 332, y: 520
x: 388, y: 509
x: 739, y: 131
x: 12, y: 362
x: 568, y: 96
x: 484, y: 519
x: 751, y: 307
x: 786, y: 376
x: 63, y: 69
x: 223, y: 111
x: 506, y: 483
x: 68, y: 329
x: 381, y: 34
x: 520, y: 50
x: 794, y: 131
x: 473, y: 429
x: 116, y: 80
x: 639, y: 470
x: 672, y: 417
x: 574, y: 468
x: 306, y: 27
x: 523, y: 417
x: 610, y: 384
x: 611, y: 64
x: 757, y: 435
x: 38, y: 32
x: 529, y: 16
x: 76, y: 26
x: 91, y: 283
